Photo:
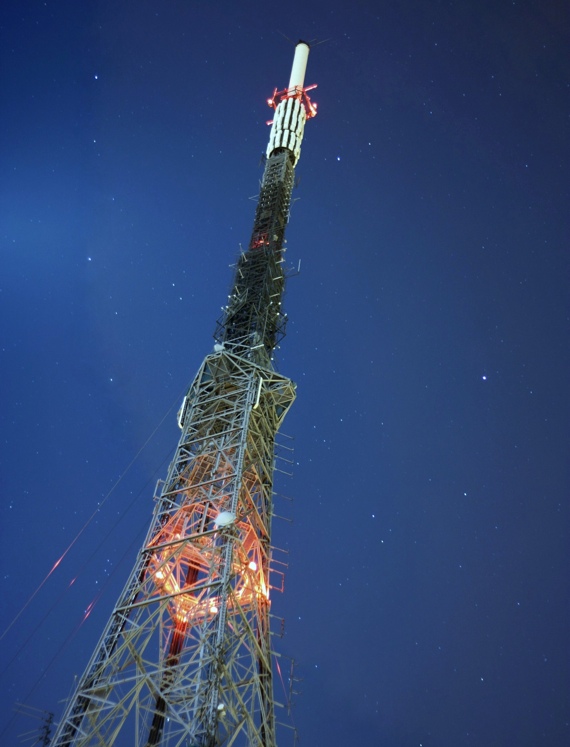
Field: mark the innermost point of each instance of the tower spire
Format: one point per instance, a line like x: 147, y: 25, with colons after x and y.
x: 185, y: 658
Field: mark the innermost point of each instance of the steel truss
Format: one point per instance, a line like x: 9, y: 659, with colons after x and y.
x: 200, y: 586
x: 253, y: 323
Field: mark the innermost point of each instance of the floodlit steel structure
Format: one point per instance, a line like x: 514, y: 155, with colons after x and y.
x: 186, y: 656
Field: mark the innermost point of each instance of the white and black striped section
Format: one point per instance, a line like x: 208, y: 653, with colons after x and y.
x: 288, y: 127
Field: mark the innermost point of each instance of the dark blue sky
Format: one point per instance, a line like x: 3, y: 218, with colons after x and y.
x: 426, y: 600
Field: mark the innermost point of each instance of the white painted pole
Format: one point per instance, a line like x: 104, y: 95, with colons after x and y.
x: 299, y: 66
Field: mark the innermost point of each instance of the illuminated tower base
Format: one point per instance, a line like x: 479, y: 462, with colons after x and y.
x: 199, y: 593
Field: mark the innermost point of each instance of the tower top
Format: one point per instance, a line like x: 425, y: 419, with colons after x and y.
x: 296, y: 88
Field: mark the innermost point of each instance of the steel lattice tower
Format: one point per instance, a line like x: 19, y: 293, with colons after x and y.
x: 185, y: 658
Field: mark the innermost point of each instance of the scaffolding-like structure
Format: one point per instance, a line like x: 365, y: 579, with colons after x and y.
x: 186, y: 656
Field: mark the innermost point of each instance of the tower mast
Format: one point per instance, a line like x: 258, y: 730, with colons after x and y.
x: 185, y: 658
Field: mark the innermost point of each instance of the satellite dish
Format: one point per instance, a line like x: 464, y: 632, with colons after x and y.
x: 224, y: 519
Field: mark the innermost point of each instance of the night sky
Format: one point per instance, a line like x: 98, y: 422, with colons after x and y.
x: 426, y: 601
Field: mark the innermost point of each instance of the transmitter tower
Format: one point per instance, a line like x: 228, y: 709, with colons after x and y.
x: 185, y: 659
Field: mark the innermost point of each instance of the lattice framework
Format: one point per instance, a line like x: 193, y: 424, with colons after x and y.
x: 199, y: 589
